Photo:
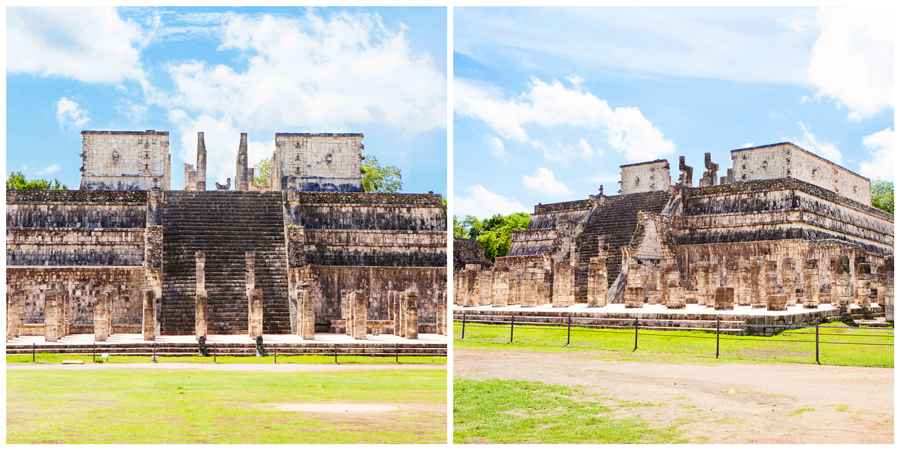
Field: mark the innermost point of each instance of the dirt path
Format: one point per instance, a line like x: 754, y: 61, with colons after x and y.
x: 772, y: 403
x: 231, y: 367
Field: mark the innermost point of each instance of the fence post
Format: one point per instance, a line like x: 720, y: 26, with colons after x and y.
x: 275, y: 346
x: 635, y: 333
x: 397, y: 353
x: 335, y: 353
x: 214, y: 353
x: 569, y: 331
x: 817, y: 344
x: 717, y: 337
x: 94, y: 353
x: 33, y: 349
x: 511, y: 326
x: 464, y: 326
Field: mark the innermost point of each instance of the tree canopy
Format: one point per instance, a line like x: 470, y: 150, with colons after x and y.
x: 883, y: 195
x: 17, y: 181
x: 493, y: 233
x: 384, y: 180
x: 261, y: 172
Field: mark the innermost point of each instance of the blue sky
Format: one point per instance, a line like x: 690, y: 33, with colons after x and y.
x: 549, y: 102
x: 378, y: 71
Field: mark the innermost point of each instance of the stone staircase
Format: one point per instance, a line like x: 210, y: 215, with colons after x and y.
x: 224, y: 225
x: 617, y: 217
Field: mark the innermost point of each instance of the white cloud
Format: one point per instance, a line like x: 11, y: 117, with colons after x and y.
x: 48, y: 170
x: 495, y: 146
x: 853, y: 60
x: 71, y: 118
x: 134, y: 112
x: 92, y: 45
x: 484, y: 204
x: 545, y: 182
x: 321, y: 74
x: 550, y: 104
x: 606, y: 177
x: 749, y: 144
x: 881, y: 155
x: 586, y: 148
x: 826, y: 150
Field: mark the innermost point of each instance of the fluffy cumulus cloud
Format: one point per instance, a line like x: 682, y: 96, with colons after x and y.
x: 71, y: 118
x: 495, y: 146
x: 53, y: 168
x: 483, y: 204
x: 544, y: 181
x: 316, y: 73
x: 92, y: 45
x: 880, y: 163
x: 549, y: 104
x: 826, y: 150
x: 853, y: 60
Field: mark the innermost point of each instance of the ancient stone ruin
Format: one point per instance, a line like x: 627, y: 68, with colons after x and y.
x: 784, y: 228
x: 306, y: 252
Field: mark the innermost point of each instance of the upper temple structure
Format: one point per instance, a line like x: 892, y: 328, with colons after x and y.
x: 781, y: 227
x: 307, y: 251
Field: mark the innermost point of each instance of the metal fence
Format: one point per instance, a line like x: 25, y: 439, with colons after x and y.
x: 722, y: 329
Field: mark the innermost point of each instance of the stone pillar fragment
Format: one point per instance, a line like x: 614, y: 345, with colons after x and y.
x: 240, y: 179
x: 14, y: 303
x: 394, y: 300
x: 500, y: 295
x: 597, y: 282
x: 412, y: 315
x: 724, y: 300
x: 742, y: 294
x: 485, y: 286
x: 713, y: 281
x: 700, y: 270
x: 515, y: 286
x: 889, y: 288
x: 306, y: 312
x: 102, y: 320
x: 190, y: 178
x: 360, y: 312
x: 441, y: 315
x: 563, y: 285
x: 840, y: 274
x: 200, y: 313
x: 52, y: 313
x: 673, y: 293
x: 811, y: 284
x: 149, y: 317
x: 250, y: 274
x: 864, y: 277
x: 472, y: 290
x: 634, y: 287
x: 771, y: 268
x: 256, y: 313
x: 531, y: 287
x: 458, y: 278
x: 777, y: 302
x: 677, y: 298
x: 201, y: 162
x: 789, y: 281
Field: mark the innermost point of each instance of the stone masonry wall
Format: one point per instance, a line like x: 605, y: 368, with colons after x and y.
x: 645, y: 177
x: 319, y: 162
x: 125, y: 160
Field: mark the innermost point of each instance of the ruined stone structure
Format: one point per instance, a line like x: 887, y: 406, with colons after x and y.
x: 783, y: 228
x: 126, y: 255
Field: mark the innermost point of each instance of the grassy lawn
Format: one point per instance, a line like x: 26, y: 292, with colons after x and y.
x: 498, y: 411
x: 50, y: 358
x: 204, y: 406
x: 794, y: 346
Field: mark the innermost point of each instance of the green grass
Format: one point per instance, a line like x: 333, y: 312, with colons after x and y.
x: 504, y: 412
x: 203, y: 406
x: 792, y: 346
x: 52, y: 358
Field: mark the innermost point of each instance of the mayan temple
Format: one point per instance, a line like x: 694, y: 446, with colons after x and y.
x: 782, y: 228
x: 306, y: 252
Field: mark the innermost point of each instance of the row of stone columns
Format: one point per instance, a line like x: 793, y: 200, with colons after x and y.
x: 526, y: 285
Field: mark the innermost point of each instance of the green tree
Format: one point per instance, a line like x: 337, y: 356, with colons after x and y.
x: 883, y: 195
x: 379, y: 179
x: 458, y: 230
x: 498, y: 231
x: 473, y: 227
x: 261, y: 172
x: 17, y: 181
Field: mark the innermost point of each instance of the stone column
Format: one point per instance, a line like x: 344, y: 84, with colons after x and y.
x: 472, y: 290
x: 515, y: 286
x: 776, y: 302
x: 541, y: 280
x: 501, y: 286
x: 530, y: 287
x: 101, y: 317
x: 412, y: 315
x: 201, y: 162
x: 485, y: 286
x: 190, y: 178
x: 864, y: 276
x: 713, y: 280
x: 440, y: 317
x: 811, y: 284
x: 597, y: 282
x: 394, y: 299
x: 360, y: 312
x: 52, y: 313
x: 675, y: 295
x: 563, y: 285
x: 306, y: 326
x: 757, y: 282
x: 889, y: 287
x: 701, y: 276
x: 731, y: 273
x: 458, y: 278
x: 149, y: 318
x: 14, y: 302
x: 771, y: 268
x: 250, y: 274
x: 724, y: 300
x: 789, y: 281
x: 256, y: 313
x: 742, y: 292
x: 840, y: 273
x: 200, y: 314
x: 634, y: 288
x: 240, y: 178
x: 879, y: 283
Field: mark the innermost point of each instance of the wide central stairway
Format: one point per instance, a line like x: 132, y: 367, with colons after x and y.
x: 224, y: 225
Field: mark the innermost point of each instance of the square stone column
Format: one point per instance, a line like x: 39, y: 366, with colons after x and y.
x: 52, y: 315
x: 724, y: 300
x: 789, y: 281
x: 811, y: 284
x: 742, y: 292
x: 394, y: 300
x: 530, y: 287
x: 889, y: 287
x: 102, y: 321
x: 256, y: 313
x: 677, y: 298
x: 346, y: 311
x: 200, y: 314
x: 440, y: 318
x: 501, y: 286
x: 771, y: 268
x: 250, y: 274
x: 412, y: 315
x: 700, y: 277
x: 149, y: 318
x: 15, y: 301
x: 840, y: 274
x: 732, y: 277
x: 563, y: 285
x: 360, y: 312
x: 472, y: 289
x: 485, y: 286
x: 777, y: 302
x: 634, y: 287
x: 597, y: 282
x: 674, y: 297
x: 306, y: 326
x: 864, y: 277
x: 713, y: 281
x: 515, y: 286
x: 757, y: 282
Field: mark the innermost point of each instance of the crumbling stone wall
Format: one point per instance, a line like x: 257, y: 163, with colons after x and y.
x: 125, y: 160
x: 468, y: 251
x: 318, y: 162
